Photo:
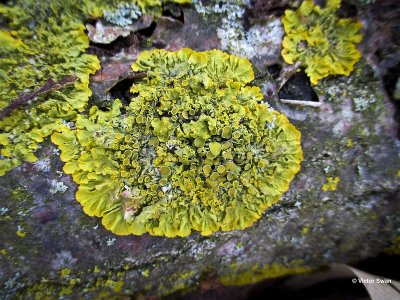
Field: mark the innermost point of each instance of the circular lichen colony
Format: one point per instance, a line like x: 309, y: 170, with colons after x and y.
x: 195, y: 149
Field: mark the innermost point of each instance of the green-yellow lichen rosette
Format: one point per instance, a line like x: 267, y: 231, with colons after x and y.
x: 323, y: 43
x: 194, y: 150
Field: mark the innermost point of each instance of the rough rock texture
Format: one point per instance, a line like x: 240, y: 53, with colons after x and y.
x: 48, y: 246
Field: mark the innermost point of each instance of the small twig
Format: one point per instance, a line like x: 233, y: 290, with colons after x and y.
x: 49, y: 86
x: 301, y: 102
x: 286, y: 73
x: 134, y: 75
x: 127, y: 76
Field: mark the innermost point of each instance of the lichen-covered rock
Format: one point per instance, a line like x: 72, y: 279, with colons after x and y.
x: 49, y: 248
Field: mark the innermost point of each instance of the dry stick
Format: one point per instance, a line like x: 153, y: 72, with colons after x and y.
x: 49, y: 86
x: 136, y: 75
x: 286, y: 73
x: 130, y: 76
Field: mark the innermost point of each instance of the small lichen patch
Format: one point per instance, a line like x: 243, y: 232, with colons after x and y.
x: 363, y: 103
x: 320, y: 40
x: 20, y: 232
x: 305, y: 230
x: 331, y: 184
x: 349, y: 143
x: 258, y: 273
x: 65, y: 272
x: 192, y: 151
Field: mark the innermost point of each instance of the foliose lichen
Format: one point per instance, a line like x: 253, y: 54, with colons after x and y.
x: 194, y: 150
x: 41, y: 41
x: 324, y: 43
x: 50, y: 45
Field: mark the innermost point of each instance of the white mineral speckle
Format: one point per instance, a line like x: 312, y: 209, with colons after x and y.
x: 3, y: 210
x: 111, y: 241
x: 43, y: 165
x: 63, y: 259
x: 57, y: 187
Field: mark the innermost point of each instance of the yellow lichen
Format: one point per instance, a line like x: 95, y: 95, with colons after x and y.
x: 50, y: 45
x: 258, y: 273
x: 65, y: 272
x: 21, y: 233
x: 349, y: 143
x: 168, y: 165
x: 331, y: 184
x: 305, y: 230
x: 323, y: 43
x: 43, y: 40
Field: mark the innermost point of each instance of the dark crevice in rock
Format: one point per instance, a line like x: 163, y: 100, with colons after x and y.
x: 114, y: 47
x: 247, y: 19
x: 262, y: 9
x: 321, y: 3
x: 174, y: 13
x: 159, y: 44
x: 381, y: 44
x: 347, y: 10
x: 121, y: 91
x: 274, y: 70
x: 147, y: 32
x: 91, y: 21
x: 389, y: 81
x: 298, y: 88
